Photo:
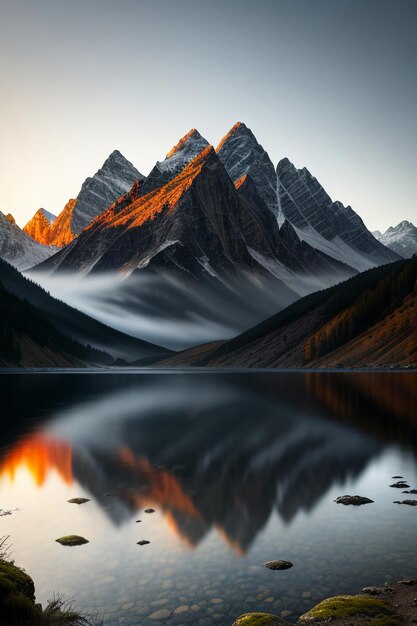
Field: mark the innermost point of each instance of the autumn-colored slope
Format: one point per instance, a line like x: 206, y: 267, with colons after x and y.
x: 391, y: 341
x: 368, y: 321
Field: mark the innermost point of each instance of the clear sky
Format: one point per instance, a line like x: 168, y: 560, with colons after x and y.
x: 331, y: 84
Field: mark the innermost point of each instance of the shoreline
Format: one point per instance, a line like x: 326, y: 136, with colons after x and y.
x: 393, y: 604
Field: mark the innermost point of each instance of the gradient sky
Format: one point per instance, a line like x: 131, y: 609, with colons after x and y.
x: 331, y: 84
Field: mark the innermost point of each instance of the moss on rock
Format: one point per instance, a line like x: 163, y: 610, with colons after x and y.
x: 340, y: 607
x: 72, y: 540
x: 17, y: 597
x: 258, y: 619
x: 20, y: 580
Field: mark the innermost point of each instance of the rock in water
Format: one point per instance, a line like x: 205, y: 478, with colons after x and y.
x: 143, y: 542
x: 161, y: 614
x: 350, y: 607
x: 78, y: 500
x: 355, y: 500
x: 409, y: 502
x: 400, y: 485
x: 279, y: 565
x: 72, y: 540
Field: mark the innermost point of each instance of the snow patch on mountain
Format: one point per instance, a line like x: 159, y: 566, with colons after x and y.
x: 335, y: 248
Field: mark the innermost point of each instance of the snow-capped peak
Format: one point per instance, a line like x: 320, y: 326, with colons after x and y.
x: 402, y: 238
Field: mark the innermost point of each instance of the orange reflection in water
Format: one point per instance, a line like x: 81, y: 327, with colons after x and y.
x: 39, y: 455
x: 163, y: 489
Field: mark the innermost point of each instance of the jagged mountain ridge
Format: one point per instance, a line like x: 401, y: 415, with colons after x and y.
x: 328, y: 226
x: 289, y: 193
x: 201, y: 227
x: 203, y: 223
x: 297, y: 196
x: 401, y: 239
x: 197, y: 221
x: 18, y: 248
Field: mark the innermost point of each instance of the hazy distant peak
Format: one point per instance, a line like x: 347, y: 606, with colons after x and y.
x: 402, y: 238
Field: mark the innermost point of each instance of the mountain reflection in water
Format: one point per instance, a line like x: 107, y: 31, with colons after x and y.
x: 217, y: 451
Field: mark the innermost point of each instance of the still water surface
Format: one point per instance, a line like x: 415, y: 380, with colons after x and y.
x: 239, y: 468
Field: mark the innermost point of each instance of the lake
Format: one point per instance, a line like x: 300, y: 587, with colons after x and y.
x: 239, y: 468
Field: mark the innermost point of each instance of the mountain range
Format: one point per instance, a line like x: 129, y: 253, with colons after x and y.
x: 214, y: 239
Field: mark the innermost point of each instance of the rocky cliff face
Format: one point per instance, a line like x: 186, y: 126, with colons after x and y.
x: 38, y: 227
x: 328, y: 226
x: 59, y: 233
x: 112, y: 180
x: 401, y: 239
x: 241, y: 154
x: 18, y: 248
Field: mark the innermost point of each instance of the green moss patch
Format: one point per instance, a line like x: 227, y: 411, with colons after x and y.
x: 17, y: 595
x: 18, y: 578
x: 258, y: 619
x: 385, y: 620
x: 72, y: 540
x: 340, y: 607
